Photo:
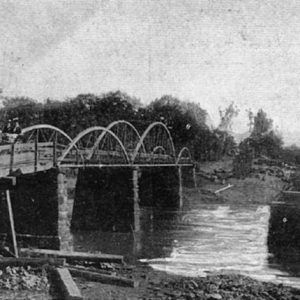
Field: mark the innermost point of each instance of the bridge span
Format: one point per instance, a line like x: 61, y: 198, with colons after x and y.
x: 41, y: 147
x: 44, y: 166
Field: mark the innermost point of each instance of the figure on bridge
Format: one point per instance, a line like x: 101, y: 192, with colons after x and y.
x: 8, y: 127
x: 10, y: 131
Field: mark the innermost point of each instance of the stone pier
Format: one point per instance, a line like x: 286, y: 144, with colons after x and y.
x: 47, y: 204
x: 65, y: 207
x: 136, y: 199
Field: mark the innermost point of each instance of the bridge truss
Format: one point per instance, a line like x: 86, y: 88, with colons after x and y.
x: 41, y: 147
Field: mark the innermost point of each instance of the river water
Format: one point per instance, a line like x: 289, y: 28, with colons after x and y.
x: 262, y: 241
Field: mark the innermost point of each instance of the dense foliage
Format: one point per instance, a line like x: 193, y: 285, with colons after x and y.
x: 263, y: 141
x: 186, y: 121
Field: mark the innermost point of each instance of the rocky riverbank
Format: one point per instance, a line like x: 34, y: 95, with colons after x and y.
x: 263, y: 185
x: 159, y: 285
x: 216, y: 184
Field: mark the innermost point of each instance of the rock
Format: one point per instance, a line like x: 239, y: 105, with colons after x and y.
x: 190, y: 296
x: 214, y: 296
x: 175, y: 294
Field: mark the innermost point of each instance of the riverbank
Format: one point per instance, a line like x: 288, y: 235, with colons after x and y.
x: 218, y: 186
x: 160, y: 285
x: 263, y: 186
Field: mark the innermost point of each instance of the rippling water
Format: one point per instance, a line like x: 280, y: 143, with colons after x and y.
x: 204, y: 238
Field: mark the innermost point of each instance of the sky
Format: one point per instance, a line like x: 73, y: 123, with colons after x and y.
x: 211, y: 52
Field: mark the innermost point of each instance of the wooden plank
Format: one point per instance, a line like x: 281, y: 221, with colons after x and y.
x: 71, y: 256
x: 26, y: 261
x: 296, y: 193
x: 224, y: 188
x: 103, y: 278
x: 12, y: 224
x: 67, y: 285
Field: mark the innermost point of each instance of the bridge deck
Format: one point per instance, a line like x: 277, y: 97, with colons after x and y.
x: 25, y: 157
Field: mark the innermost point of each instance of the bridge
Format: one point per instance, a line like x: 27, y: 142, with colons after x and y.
x: 49, y: 174
x: 41, y: 147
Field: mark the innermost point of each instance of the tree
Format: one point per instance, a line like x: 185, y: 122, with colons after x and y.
x: 251, y: 119
x: 226, y: 117
x: 262, y: 124
x: 263, y: 139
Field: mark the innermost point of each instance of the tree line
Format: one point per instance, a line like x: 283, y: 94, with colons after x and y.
x: 186, y: 121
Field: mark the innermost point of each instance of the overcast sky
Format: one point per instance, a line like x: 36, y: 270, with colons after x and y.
x: 210, y: 52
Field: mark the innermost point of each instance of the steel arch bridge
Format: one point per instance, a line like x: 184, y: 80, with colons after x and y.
x: 41, y: 147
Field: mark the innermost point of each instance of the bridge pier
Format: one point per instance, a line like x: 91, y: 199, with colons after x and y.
x: 64, y: 232
x: 136, y: 173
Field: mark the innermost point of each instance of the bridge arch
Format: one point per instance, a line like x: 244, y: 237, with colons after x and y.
x: 84, y: 149
x: 37, y: 148
x: 44, y: 126
x: 163, y: 139
x: 129, y: 136
x: 159, y: 149
x: 184, y: 154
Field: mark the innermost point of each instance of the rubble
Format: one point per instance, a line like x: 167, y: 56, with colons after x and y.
x: 21, y: 278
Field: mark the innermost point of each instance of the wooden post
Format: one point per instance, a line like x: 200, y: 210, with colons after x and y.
x: 54, y: 150
x: 136, y: 200
x: 12, y: 224
x: 12, y: 155
x: 36, y: 140
x: 194, y: 177
x: 180, y: 186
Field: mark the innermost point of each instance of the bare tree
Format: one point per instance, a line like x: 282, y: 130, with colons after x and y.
x: 226, y: 117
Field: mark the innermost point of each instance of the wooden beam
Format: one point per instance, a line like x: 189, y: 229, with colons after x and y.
x: 73, y: 256
x: 12, y: 224
x: 103, y: 278
x: 67, y: 285
x: 294, y: 193
x: 122, y: 165
x: 26, y: 261
x: 224, y: 188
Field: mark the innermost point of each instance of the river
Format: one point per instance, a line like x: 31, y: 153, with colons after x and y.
x: 262, y: 241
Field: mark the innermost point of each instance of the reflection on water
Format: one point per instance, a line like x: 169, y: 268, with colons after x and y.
x: 258, y: 240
